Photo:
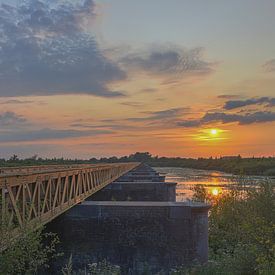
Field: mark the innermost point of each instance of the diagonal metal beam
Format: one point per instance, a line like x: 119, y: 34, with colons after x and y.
x: 33, y: 196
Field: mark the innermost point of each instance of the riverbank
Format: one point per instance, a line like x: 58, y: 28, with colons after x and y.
x: 234, y: 165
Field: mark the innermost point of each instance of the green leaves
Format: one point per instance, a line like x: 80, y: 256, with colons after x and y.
x: 28, y: 253
x: 241, y: 231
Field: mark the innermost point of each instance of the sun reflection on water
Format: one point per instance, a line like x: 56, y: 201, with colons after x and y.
x: 215, y: 191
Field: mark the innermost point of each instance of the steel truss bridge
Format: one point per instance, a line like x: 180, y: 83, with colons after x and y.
x: 33, y: 196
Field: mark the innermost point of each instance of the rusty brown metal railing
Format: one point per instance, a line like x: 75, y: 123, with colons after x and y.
x: 33, y: 196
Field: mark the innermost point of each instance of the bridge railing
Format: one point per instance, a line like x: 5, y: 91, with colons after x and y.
x: 29, y: 198
x: 39, y: 168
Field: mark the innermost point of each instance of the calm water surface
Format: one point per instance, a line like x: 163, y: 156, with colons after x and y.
x: 215, y: 182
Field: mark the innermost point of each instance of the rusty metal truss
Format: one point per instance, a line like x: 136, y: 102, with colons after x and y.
x: 33, y: 196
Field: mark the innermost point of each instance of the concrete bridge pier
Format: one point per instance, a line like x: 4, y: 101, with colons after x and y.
x: 133, y: 222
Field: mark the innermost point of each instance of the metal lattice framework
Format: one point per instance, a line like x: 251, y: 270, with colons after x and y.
x: 33, y: 196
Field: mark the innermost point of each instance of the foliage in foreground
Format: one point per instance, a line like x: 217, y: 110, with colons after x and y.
x: 100, y: 268
x: 241, y: 232
x: 30, y: 252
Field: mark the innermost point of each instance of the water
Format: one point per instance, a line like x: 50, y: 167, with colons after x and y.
x: 215, y: 182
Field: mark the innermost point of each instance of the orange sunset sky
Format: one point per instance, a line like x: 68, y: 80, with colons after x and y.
x: 90, y: 78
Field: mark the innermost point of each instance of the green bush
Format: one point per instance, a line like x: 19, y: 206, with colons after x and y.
x: 100, y: 268
x: 241, y: 233
x: 28, y: 253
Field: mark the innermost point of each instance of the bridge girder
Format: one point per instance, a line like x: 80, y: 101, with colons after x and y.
x: 33, y: 196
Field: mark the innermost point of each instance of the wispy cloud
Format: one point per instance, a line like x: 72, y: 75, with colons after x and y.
x: 241, y: 119
x: 173, y: 61
x: 233, y: 104
x: 113, y: 126
x: 16, y: 101
x: 21, y: 102
x: 227, y: 96
x: 48, y: 134
x: 11, y: 119
x: 133, y: 104
x: 161, y: 115
x: 15, y: 127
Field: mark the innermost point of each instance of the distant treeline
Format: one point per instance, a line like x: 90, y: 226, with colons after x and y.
x: 35, y: 160
x: 230, y: 164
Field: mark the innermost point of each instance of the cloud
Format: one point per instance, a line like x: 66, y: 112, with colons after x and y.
x: 233, y: 104
x: 103, y: 126
x: 48, y: 134
x: 133, y: 104
x: 228, y: 96
x: 245, y: 119
x: 19, y: 102
x: 85, y: 125
x: 149, y: 90
x: 161, y: 115
x: 190, y: 123
x: 11, y: 119
x: 169, y: 61
x: 269, y: 66
x: 45, y: 49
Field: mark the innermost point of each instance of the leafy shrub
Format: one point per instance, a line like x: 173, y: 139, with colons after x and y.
x: 29, y: 252
x: 241, y: 233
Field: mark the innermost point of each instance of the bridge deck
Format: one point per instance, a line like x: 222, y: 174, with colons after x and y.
x: 33, y: 196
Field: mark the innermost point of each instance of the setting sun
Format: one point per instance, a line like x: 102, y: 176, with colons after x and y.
x: 214, y: 132
x: 211, y: 135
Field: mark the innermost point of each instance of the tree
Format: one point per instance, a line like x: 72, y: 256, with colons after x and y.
x: 14, y: 158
